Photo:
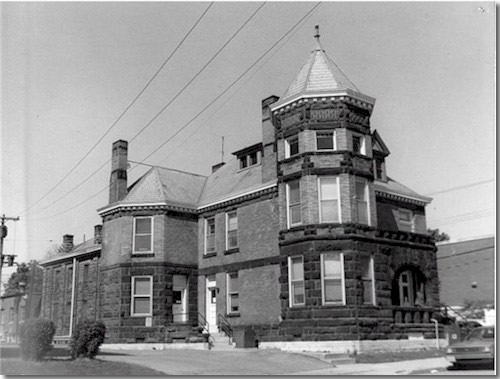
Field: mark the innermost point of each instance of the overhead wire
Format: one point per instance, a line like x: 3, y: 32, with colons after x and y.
x: 199, y: 113
x: 120, y: 116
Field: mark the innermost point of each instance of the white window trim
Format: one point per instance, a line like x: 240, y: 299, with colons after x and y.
x: 362, y: 148
x: 410, y: 223
x: 290, y: 297
x: 338, y: 198
x: 334, y: 137
x: 288, y: 216
x: 134, y: 235
x: 228, y: 294
x: 227, y: 230
x: 132, y: 296
x: 287, y: 145
x: 372, y: 272
x: 205, y: 235
x: 342, y: 276
x: 367, y: 194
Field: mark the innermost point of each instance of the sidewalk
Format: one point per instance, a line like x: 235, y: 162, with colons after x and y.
x: 258, y: 362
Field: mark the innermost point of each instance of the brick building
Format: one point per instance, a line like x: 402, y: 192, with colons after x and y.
x: 70, y: 284
x: 300, y: 237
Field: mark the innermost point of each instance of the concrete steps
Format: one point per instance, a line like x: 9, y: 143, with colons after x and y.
x: 221, y: 342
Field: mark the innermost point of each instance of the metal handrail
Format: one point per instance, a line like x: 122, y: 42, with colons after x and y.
x: 224, y: 326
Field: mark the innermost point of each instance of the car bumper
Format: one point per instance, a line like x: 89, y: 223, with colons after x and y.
x: 470, y: 358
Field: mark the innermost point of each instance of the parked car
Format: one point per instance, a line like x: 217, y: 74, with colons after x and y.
x: 477, y: 347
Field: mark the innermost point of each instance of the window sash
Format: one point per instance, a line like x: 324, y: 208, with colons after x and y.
x: 294, y: 207
x: 291, y: 147
x: 233, y: 302
x: 232, y: 231
x: 358, y: 144
x: 362, y: 202
x: 325, y: 141
x: 405, y: 220
x: 296, y: 281
x: 209, y: 235
x: 143, y: 233
x: 332, y: 278
x: 329, y: 204
x: 367, y: 279
x: 141, y: 303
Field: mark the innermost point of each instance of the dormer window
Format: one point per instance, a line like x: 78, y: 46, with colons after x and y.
x: 249, y: 156
x: 358, y: 144
x: 291, y: 146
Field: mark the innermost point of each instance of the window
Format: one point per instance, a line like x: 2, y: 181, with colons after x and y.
x: 325, y: 141
x: 232, y: 230
x: 143, y: 233
x: 243, y: 162
x: 378, y: 169
x: 362, y: 201
x: 210, y: 235
x: 332, y: 278
x: 296, y: 275
x: 293, y: 198
x: 358, y: 144
x: 233, y: 303
x: 368, y: 283
x: 248, y: 160
x: 70, y: 278
x: 291, y: 146
x: 142, y: 288
x: 412, y: 291
x: 329, y: 204
x: 405, y: 220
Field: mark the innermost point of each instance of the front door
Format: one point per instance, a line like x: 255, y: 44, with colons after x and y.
x: 179, y: 306
x: 211, y: 304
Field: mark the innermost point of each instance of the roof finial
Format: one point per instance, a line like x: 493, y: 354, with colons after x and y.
x: 317, y: 33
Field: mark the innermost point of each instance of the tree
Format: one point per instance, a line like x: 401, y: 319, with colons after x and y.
x: 438, y: 237
x: 53, y: 251
x: 23, y: 277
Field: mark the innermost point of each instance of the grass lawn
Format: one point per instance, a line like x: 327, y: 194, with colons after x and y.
x: 78, y: 367
x: 397, y: 356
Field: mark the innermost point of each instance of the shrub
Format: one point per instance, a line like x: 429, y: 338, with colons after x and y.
x: 87, y: 338
x: 36, y: 337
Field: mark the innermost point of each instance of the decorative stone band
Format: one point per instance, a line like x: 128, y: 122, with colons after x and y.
x: 352, y: 231
x: 347, y: 95
x: 397, y: 197
x: 145, y: 207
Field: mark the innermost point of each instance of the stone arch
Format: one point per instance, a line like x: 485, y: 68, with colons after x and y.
x: 409, y: 286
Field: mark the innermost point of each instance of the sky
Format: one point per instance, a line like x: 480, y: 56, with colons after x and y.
x: 70, y: 70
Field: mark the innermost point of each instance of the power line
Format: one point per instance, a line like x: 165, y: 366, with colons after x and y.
x: 198, y: 73
x: 171, y: 151
x: 231, y: 85
x: 466, y: 252
x: 460, y: 187
x: 199, y: 113
x: 124, y: 112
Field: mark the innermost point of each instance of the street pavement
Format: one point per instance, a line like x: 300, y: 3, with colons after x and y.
x: 258, y: 362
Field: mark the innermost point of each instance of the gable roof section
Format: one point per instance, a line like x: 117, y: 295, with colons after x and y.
x: 82, y: 249
x: 163, y: 185
x: 379, y: 144
x: 392, y: 188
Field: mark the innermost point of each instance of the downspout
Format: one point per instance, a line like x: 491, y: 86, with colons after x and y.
x: 73, y: 293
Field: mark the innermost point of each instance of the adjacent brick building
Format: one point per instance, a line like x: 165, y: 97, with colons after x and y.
x: 300, y: 237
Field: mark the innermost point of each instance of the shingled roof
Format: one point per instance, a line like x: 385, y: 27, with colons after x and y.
x: 320, y: 75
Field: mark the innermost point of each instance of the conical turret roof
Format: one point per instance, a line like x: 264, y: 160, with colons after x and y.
x: 320, y: 76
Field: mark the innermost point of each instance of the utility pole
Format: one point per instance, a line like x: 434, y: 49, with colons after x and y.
x: 3, y: 234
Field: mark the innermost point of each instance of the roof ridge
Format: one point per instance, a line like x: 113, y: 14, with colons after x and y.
x: 181, y: 171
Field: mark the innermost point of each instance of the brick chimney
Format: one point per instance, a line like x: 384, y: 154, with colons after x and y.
x: 98, y: 234
x: 269, y: 160
x: 67, y: 244
x: 118, y: 181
